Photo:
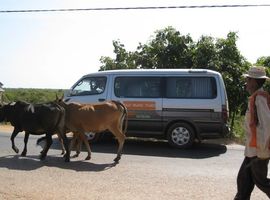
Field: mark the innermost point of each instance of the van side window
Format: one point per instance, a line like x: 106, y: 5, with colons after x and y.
x: 191, y: 87
x: 137, y: 87
x: 89, y: 86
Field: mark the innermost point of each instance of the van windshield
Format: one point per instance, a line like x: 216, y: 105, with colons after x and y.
x: 89, y: 86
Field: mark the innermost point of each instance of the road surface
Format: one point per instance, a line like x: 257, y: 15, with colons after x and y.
x: 147, y: 170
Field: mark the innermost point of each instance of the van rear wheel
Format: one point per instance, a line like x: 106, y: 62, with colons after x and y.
x: 181, y: 135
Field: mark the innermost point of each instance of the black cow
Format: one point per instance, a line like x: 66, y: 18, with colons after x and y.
x: 36, y: 119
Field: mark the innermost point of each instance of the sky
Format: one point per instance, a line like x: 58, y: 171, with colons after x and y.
x: 54, y: 49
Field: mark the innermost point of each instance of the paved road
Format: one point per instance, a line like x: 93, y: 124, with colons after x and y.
x: 147, y: 170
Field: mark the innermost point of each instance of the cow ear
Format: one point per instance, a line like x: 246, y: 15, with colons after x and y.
x: 56, y: 97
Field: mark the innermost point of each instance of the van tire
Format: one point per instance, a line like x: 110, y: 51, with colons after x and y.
x: 92, y: 137
x: 181, y: 135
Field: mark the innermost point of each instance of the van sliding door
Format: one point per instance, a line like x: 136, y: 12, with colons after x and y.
x: 142, y: 97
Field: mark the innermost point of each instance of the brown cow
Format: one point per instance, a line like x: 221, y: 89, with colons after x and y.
x: 82, y: 118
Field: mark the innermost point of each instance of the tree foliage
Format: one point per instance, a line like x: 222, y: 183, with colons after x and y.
x: 168, y: 48
x: 264, y: 61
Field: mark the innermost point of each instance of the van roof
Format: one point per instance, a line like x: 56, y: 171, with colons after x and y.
x: 155, y: 71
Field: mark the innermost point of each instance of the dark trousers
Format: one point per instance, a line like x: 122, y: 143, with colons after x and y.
x: 253, y: 171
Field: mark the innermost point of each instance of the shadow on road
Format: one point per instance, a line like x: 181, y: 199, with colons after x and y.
x: 160, y: 148
x: 132, y: 147
x: 32, y: 162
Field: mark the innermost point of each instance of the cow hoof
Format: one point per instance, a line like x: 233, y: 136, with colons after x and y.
x: 88, y: 158
x: 42, y: 157
x: 117, y: 159
x: 67, y: 160
x: 75, y: 156
x: 16, y: 150
x: 23, y: 154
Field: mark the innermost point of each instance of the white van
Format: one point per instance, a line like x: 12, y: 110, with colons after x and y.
x: 179, y: 105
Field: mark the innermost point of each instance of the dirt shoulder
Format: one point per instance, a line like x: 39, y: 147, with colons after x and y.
x: 6, y: 128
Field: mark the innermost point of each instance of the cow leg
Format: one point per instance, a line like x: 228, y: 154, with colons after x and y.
x: 72, y: 143
x: 13, y: 135
x: 65, y: 141
x: 84, y: 139
x: 121, y: 140
x: 61, y: 142
x: 78, y: 145
x: 48, y: 144
x: 26, y: 136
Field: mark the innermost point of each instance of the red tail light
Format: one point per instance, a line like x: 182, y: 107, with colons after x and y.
x: 225, y: 113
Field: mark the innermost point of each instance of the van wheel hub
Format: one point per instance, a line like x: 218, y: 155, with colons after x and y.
x: 180, y: 136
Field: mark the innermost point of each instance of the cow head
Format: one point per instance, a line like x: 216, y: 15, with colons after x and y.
x: 59, y: 99
x: 2, y: 113
x: 6, y: 110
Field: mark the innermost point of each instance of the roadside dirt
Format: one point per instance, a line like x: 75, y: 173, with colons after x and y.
x: 6, y: 128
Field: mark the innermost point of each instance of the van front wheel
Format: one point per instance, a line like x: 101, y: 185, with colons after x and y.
x: 180, y: 135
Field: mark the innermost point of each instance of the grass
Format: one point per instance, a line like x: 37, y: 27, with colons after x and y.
x: 238, y: 134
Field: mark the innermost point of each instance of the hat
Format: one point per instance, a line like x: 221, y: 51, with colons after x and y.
x: 256, y: 72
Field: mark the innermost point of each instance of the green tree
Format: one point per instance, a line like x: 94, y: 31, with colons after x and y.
x: 232, y: 65
x: 264, y: 61
x: 205, y: 54
x: 123, y: 59
x: 169, y: 49
x: 222, y: 55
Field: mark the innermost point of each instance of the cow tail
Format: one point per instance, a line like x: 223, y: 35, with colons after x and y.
x: 123, y: 109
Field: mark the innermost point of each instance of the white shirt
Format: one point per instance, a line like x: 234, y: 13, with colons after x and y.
x: 263, y: 129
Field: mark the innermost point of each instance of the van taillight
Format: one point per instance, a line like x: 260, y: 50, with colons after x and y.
x: 225, y: 113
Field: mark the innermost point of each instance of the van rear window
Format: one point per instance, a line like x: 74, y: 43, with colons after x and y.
x: 191, y: 87
x: 175, y: 87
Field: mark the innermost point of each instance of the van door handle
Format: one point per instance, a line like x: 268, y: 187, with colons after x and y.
x: 101, y: 100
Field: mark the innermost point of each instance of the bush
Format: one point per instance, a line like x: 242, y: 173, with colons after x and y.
x: 238, y: 133
x: 31, y: 95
